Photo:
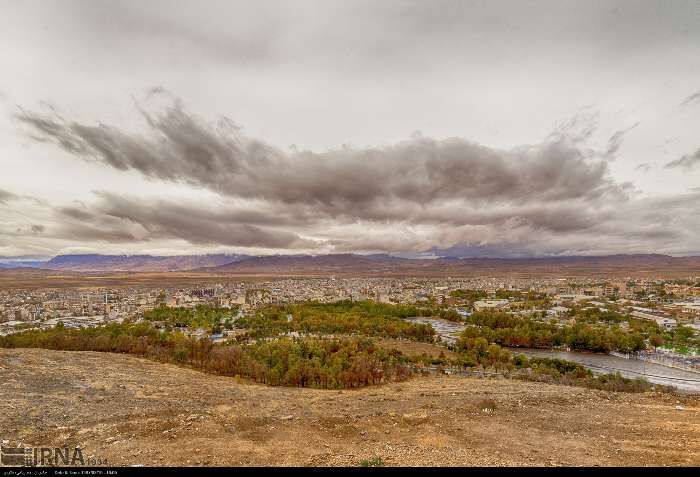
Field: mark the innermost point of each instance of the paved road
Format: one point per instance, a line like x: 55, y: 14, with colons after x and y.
x: 448, y: 331
x: 629, y: 368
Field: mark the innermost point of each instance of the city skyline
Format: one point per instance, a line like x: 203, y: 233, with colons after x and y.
x: 410, y: 128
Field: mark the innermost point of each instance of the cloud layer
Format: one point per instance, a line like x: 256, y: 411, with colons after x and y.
x: 451, y: 195
x: 422, y: 170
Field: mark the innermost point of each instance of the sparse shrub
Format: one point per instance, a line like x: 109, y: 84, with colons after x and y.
x: 487, y: 405
x: 375, y: 461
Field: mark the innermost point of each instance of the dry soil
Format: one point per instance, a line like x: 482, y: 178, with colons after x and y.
x: 133, y: 411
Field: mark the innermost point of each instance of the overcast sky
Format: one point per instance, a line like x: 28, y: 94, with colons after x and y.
x: 470, y: 128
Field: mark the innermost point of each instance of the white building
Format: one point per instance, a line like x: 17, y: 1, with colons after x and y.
x: 558, y: 310
x: 490, y: 305
x: 662, y: 321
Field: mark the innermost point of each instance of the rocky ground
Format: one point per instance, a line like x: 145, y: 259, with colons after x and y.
x: 133, y: 411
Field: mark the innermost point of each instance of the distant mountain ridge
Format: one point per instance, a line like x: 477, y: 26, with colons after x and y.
x: 350, y: 264
x: 22, y: 264
x: 138, y: 263
x: 24, y: 261
x: 372, y: 265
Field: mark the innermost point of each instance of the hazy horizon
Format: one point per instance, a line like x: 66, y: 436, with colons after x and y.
x: 19, y: 259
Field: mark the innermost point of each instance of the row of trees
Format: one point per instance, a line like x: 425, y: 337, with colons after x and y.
x: 595, y: 314
x: 201, y: 316
x: 365, y: 318
x: 514, y: 331
x: 468, y: 295
x: 345, y: 363
x: 321, y: 363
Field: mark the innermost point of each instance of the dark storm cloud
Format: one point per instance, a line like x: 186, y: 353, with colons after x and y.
x: 687, y: 162
x: 555, y: 217
x: 182, y: 148
x: 416, y: 195
x: 642, y: 226
x: 118, y: 218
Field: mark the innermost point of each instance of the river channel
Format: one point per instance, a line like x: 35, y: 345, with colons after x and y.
x: 629, y: 368
x: 448, y: 332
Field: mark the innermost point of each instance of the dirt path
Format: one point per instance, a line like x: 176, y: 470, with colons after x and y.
x: 133, y: 411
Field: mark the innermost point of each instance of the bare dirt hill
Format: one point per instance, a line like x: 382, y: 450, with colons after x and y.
x: 133, y: 411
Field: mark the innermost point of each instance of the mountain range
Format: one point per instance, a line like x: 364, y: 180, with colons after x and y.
x: 385, y: 265
x: 369, y: 265
x: 126, y: 263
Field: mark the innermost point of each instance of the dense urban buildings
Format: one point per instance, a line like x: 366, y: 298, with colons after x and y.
x: 668, y: 303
